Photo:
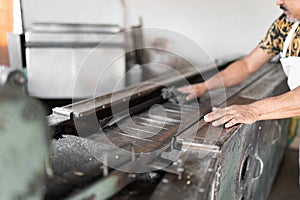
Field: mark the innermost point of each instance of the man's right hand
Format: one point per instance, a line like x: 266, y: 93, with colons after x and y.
x: 194, y: 91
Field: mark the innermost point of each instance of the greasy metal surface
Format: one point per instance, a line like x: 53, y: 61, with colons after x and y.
x: 115, y: 181
x: 125, y: 142
x: 106, y: 187
x: 133, y: 93
x: 209, y: 135
x: 155, y: 129
x: 142, y: 94
x: 73, y: 165
x: 233, y: 158
x: 78, y: 162
x: 195, y: 181
x: 142, y: 188
x: 90, y: 106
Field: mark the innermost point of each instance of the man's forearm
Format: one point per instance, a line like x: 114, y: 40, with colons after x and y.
x: 232, y: 75
x: 283, y: 106
x: 239, y: 70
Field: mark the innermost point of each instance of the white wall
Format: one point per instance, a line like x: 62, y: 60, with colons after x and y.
x: 222, y: 27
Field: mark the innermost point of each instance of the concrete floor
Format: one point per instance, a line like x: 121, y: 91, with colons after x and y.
x: 286, y: 186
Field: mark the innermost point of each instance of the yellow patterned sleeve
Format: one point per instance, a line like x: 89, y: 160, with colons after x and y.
x: 275, y: 37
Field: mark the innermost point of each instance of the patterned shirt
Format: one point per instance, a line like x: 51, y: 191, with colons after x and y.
x: 274, y: 40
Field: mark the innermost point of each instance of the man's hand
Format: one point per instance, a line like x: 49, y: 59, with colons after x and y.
x: 194, y: 91
x: 232, y: 115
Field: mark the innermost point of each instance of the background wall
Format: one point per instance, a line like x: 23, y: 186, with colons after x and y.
x: 222, y: 27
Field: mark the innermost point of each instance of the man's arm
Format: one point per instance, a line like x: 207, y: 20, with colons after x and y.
x: 283, y: 106
x: 232, y: 75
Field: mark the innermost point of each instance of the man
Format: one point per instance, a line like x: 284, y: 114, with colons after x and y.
x: 276, y: 41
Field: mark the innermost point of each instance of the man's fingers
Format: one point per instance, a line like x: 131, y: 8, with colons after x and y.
x: 190, y: 97
x: 214, y: 115
x: 215, y: 108
x: 221, y: 116
x: 183, y: 90
x: 222, y: 120
x: 187, y: 89
x: 231, y: 123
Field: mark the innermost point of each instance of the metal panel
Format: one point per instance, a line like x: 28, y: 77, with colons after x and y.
x: 74, y: 37
x: 195, y: 182
x: 65, y: 73
x: 74, y: 60
x: 235, y: 165
x: 272, y: 141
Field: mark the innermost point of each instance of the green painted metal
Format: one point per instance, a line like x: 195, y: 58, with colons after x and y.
x: 272, y: 142
x: 106, y: 187
x: 23, y: 146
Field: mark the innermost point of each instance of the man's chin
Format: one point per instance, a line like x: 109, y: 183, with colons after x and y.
x: 290, y: 18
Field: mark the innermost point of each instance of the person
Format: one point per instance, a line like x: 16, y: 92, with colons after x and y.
x: 283, y: 37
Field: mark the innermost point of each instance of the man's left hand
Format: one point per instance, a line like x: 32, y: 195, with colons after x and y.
x: 232, y: 115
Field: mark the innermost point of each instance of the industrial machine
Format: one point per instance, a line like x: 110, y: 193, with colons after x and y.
x: 48, y: 49
x: 134, y: 144
x: 139, y: 140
